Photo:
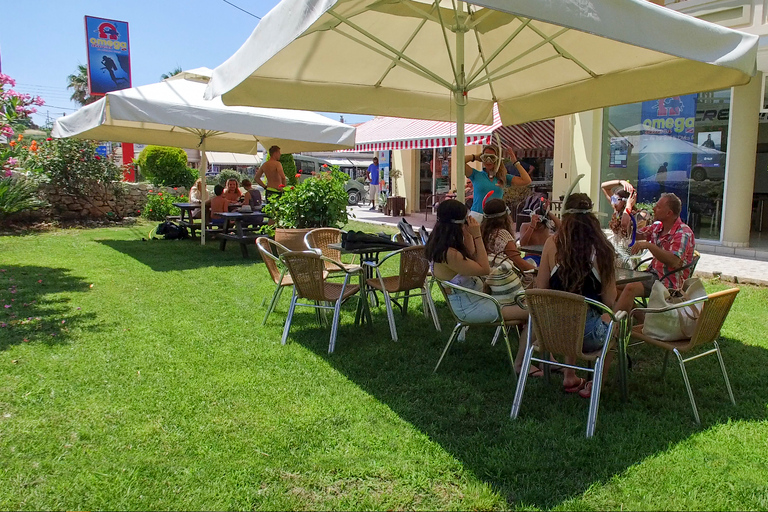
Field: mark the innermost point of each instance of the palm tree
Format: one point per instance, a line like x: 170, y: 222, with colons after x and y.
x: 176, y: 71
x: 79, y: 85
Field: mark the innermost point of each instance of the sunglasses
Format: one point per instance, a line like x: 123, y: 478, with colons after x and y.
x: 616, y: 199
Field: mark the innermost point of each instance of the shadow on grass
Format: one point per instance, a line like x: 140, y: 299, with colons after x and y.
x: 32, y: 311
x: 166, y: 255
x: 542, y: 458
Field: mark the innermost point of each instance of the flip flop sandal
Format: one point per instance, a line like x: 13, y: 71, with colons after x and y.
x: 585, y: 392
x: 578, y: 387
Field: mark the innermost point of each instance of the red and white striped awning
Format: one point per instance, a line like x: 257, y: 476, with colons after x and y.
x: 535, y: 139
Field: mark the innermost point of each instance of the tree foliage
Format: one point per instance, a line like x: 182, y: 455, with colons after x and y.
x: 166, y: 166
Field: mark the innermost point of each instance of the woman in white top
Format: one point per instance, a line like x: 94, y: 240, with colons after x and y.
x: 498, y: 233
x: 197, y: 195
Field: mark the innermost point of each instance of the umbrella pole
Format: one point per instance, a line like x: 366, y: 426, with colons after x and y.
x: 461, y: 99
x: 203, y: 170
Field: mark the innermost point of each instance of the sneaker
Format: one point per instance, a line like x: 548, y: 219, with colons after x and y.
x: 372, y: 208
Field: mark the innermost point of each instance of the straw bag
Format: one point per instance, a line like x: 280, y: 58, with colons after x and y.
x: 679, y: 323
x: 503, y: 281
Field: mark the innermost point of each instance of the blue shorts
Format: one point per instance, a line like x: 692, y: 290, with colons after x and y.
x: 533, y: 258
x: 217, y: 222
x: 473, y: 309
x: 595, y: 331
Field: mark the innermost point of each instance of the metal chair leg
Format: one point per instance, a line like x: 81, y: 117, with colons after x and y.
x: 505, y: 333
x: 496, y: 336
x: 433, y: 310
x: 725, y: 374
x: 454, y: 335
x: 335, y: 326
x: 288, y: 319
x: 272, y: 304
x: 523, y: 377
x: 390, y: 316
x: 688, y: 385
x: 594, y: 399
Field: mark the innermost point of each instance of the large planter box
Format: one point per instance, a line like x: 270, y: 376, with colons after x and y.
x: 293, y: 239
x: 395, y: 206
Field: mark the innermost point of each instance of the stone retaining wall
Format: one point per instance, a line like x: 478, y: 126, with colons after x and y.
x: 127, y: 204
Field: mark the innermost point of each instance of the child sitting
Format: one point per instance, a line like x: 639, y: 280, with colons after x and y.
x: 219, y: 204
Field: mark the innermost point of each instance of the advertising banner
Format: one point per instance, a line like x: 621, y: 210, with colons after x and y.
x: 384, y: 166
x: 666, y: 154
x: 109, y: 55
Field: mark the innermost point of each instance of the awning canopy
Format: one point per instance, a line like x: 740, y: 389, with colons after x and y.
x: 223, y: 158
x: 534, y: 139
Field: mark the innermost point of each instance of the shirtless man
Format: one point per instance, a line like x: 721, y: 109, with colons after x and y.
x: 275, y: 175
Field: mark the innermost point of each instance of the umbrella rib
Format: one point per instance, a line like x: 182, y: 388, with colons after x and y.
x: 413, y: 66
x: 535, y: 47
x: 481, y: 55
x: 405, y: 47
x: 498, y: 50
x: 445, y: 37
x: 514, y: 71
x: 559, y: 49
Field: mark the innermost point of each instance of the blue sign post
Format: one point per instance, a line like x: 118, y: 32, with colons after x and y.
x: 109, y: 55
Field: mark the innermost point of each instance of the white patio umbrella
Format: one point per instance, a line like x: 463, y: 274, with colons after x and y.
x: 174, y: 113
x: 451, y: 60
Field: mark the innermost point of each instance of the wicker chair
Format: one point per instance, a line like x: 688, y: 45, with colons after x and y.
x: 270, y: 252
x: 412, y: 275
x: 713, y: 314
x: 557, y: 319
x: 502, y: 327
x: 307, y: 271
x: 319, y: 239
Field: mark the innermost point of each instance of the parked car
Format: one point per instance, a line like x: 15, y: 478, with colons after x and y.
x: 309, y: 165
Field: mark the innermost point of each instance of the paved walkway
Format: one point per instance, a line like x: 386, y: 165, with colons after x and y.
x: 727, y: 268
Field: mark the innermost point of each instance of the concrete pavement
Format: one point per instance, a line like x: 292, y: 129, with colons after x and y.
x: 727, y: 268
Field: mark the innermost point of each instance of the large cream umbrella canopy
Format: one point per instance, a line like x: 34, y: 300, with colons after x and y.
x: 174, y: 113
x: 451, y: 60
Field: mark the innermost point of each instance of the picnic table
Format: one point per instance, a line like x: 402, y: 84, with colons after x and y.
x: 193, y: 223
x: 239, y: 232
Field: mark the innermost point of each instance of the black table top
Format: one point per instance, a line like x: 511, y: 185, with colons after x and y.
x: 625, y: 276
x: 532, y: 249
x: 364, y: 250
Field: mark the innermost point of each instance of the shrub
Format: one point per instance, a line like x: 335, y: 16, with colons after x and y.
x: 289, y: 168
x: 18, y: 194
x: 160, y: 205
x: 166, y: 166
x: 318, y: 201
x: 228, y: 174
x: 73, y: 167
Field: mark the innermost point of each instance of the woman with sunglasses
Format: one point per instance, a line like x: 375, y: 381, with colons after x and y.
x: 492, y: 177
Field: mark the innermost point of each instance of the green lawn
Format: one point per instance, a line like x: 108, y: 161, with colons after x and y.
x: 137, y: 375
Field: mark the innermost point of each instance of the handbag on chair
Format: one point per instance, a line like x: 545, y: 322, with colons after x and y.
x: 677, y: 324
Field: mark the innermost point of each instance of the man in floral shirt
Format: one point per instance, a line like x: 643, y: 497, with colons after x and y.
x: 670, y: 242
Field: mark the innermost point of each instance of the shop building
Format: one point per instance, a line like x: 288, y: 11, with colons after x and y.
x: 711, y: 148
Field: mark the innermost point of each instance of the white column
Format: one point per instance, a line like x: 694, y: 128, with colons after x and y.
x: 740, y: 162
x: 578, y: 150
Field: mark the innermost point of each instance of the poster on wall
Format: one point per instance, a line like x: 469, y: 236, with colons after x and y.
x: 384, y: 166
x: 619, y: 152
x: 109, y: 55
x: 665, y: 157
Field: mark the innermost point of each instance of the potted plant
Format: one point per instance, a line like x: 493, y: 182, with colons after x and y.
x: 317, y: 202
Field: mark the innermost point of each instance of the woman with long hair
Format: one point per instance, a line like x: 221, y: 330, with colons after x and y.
x: 232, y: 191
x: 457, y: 254
x: 579, y: 259
x: 498, y: 232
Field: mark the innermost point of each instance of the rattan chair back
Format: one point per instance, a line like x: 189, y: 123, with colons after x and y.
x: 306, y: 270
x: 413, y: 268
x: 713, y: 314
x: 558, y: 321
x: 320, y: 238
x: 270, y: 252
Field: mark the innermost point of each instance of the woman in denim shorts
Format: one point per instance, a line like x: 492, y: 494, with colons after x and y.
x: 457, y: 254
x: 580, y: 259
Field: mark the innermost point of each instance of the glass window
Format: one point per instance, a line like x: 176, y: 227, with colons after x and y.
x: 676, y: 144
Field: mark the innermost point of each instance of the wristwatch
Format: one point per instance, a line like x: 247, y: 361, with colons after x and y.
x: 473, y: 158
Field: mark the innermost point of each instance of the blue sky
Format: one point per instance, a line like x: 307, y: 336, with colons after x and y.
x: 41, y: 44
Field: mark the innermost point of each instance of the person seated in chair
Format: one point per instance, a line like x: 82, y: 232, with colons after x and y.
x: 252, y: 195
x: 219, y: 204
x: 232, y: 191
x: 672, y: 244
x: 579, y: 259
x: 539, y: 230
